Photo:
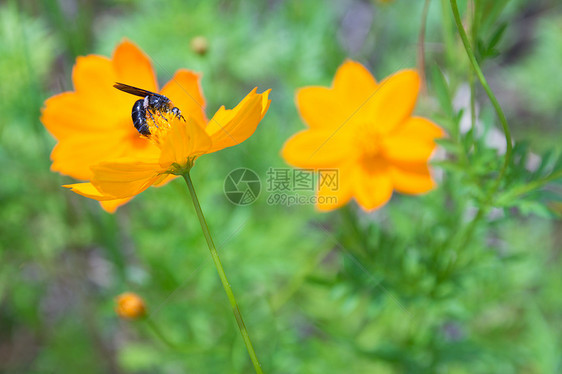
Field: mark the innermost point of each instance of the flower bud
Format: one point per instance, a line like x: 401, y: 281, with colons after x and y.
x: 199, y: 45
x: 130, y: 306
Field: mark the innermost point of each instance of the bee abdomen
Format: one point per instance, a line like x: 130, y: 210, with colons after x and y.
x: 139, y: 117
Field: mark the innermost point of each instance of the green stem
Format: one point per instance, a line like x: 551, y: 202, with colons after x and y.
x: 421, y: 45
x: 447, y: 34
x: 519, y: 191
x: 472, y: 84
x: 486, y: 87
x: 471, y: 80
x: 222, y: 274
x: 156, y: 330
x: 462, y: 240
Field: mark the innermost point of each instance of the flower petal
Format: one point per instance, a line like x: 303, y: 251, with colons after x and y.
x: 165, y: 180
x: 88, y: 190
x: 316, y: 148
x: 124, y: 179
x: 354, y: 82
x: 185, y: 92
x: 93, y: 76
x: 93, y: 124
x: 76, y: 155
x: 68, y: 113
x: 133, y: 67
x: 335, y: 190
x: 110, y: 206
x: 233, y: 126
x: 373, y: 187
x: 406, y: 149
x: 87, y: 108
x: 322, y: 107
x: 419, y: 128
x: 411, y: 178
x: 393, y: 101
x: 184, y: 140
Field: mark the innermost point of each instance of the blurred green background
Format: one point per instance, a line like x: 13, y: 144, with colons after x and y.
x: 344, y: 292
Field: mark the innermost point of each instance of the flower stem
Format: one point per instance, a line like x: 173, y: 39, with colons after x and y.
x: 156, y: 330
x: 222, y: 274
x: 487, y: 88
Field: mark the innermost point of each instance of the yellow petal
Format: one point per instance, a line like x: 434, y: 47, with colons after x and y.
x: 68, y: 113
x: 133, y: 67
x: 93, y: 76
x: 76, y: 155
x: 320, y: 107
x: 334, y: 193
x: 393, y: 101
x: 183, y: 141
x: 110, y: 206
x: 317, y: 148
x: 233, y: 126
x: 93, y: 124
x: 185, y: 92
x: 412, y: 141
x: 330, y: 108
x: 354, y: 82
x: 88, y: 190
x: 419, y: 128
x: 372, y: 188
x: 164, y: 180
x: 411, y: 178
x: 405, y: 149
x: 124, y: 179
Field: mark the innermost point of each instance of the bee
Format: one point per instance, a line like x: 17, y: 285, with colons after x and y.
x: 152, y: 104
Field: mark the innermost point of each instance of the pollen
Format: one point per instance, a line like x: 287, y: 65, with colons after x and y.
x: 159, y: 124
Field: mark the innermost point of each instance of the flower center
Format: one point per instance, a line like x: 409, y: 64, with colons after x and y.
x: 368, y: 141
x: 159, y: 123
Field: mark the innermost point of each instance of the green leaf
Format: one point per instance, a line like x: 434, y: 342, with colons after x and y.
x: 534, y: 207
x: 496, y: 36
x: 441, y: 88
x: 449, y: 145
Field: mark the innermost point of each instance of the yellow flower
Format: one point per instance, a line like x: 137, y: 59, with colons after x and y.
x: 98, y: 142
x: 130, y: 306
x: 366, y: 131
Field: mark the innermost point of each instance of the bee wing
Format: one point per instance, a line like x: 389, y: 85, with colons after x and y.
x: 133, y: 90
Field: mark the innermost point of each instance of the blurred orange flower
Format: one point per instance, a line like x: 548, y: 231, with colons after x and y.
x: 130, y: 306
x: 98, y: 142
x: 366, y: 131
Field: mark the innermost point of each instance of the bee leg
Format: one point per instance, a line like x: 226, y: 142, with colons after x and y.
x: 161, y: 115
x: 152, y: 118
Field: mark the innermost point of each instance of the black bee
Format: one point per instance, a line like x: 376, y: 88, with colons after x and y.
x: 152, y: 103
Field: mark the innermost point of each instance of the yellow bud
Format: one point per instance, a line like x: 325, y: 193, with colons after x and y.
x: 199, y: 45
x: 130, y: 306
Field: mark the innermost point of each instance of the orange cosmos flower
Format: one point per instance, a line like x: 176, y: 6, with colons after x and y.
x: 98, y: 142
x: 366, y: 131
